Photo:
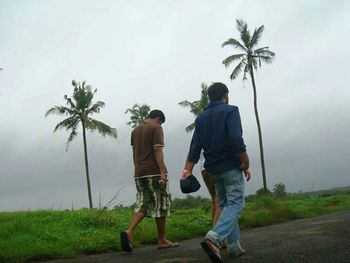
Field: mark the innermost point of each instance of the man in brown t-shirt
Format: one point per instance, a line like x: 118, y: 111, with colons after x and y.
x: 153, y: 197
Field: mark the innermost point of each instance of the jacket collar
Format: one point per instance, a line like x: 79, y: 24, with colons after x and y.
x: 215, y: 103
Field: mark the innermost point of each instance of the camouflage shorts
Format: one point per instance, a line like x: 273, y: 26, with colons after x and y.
x: 152, y: 198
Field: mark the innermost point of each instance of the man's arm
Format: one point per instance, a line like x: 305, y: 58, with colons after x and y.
x: 194, y: 152
x: 235, y: 132
x: 158, y: 144
x: 158, y: 152
x: 236, y: 139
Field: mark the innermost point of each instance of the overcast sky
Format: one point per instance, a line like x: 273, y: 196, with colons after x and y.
x: 159, y: 52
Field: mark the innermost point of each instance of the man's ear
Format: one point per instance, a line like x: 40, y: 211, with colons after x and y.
x: 226, y: 98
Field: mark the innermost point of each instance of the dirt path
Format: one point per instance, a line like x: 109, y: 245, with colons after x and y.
x: 320, y: 239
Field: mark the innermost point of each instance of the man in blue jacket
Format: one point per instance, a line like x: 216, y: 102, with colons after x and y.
x: 218, y: 131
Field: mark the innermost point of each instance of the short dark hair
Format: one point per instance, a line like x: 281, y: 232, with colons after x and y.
x: 157, y: 114
x: 217, y: 91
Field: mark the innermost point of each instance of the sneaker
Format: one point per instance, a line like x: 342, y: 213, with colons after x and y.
x: 240, y: 248
x: 239, y: 251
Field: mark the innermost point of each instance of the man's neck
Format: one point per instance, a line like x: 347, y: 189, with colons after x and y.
x: 151, y: 120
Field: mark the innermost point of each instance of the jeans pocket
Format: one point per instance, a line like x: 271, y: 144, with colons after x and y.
x: 233, y: 177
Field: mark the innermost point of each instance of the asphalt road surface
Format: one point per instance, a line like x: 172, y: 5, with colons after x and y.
x: 319, y: 239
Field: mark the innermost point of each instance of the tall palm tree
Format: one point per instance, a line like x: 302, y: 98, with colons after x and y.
x: 78, y: 109
x: 138, y: 114
x: 249, y: 59
x: 198, y: 106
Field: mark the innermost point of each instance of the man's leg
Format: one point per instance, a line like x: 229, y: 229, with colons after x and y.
x: 229, y: 185
x: 231, y: 239
x: 160, y: 210
x: 160, y: 222
x: 137, y: 218
x: 212, y: 242
x: 215, y: 210
x: 163, y: 242
x: 143, y: 197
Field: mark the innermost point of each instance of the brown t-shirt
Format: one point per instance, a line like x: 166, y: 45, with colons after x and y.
x: 144, y: 138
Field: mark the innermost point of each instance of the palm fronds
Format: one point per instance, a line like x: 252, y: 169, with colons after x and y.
x: 95, y: 108
x: 250, y: 58
x: 78, y: 108
x: 235, y: 43
x: 198, y: 106
x: 139, y: 114
x: 237, y: 70
x: 190, y: 127
x: 256, y: 36
x: 101, y: 127
x: 230, y: 59
x: 245, y: 34
x: 61, y: 110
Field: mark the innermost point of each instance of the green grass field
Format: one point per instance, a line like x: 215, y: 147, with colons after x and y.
x: 43, y: 235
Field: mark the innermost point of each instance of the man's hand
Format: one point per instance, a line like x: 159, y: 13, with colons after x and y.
x: 247, y: 174
x: 163, y: 179
x: 185, y: 174
x: 244, y: 161
x: 188, y: 169
x: 245, y: 164
x: 164, y: 176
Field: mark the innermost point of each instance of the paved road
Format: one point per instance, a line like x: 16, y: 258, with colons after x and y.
x: 320, y: 239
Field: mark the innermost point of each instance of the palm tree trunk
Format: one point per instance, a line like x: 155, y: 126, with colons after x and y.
x: 259, y: 129
x: 87, y: 166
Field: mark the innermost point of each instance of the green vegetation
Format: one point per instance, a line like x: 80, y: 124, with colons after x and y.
x: 44, y: 235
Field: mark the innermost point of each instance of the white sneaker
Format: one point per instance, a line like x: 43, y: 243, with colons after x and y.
x: 241, y: 249
x: 239, y: 252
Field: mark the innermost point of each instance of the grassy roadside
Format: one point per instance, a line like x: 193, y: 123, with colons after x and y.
x: 43, y: 235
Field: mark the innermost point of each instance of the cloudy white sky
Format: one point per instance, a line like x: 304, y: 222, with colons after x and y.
x: 159, y: 52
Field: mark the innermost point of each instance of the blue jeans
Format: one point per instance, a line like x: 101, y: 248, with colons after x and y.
x: 229, y: 187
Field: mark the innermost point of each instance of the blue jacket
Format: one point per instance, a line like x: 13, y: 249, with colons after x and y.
x: 218, y: 131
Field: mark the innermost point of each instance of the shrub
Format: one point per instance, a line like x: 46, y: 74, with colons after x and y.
x: 191, y: 202
x: 262, y: 192
x: 279, y: 191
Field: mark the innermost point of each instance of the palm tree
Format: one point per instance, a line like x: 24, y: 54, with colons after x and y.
x: 138, y: 114
x: 249, y: 59
x: 78, y: 109
x: 198, y: 106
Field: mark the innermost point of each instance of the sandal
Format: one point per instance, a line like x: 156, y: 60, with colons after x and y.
x: 168, y: 245
x: 212, y: 250
x: 125, y: 242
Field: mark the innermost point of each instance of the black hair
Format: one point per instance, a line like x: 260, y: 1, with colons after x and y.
x: 217, y: 91
x: 157, y: 114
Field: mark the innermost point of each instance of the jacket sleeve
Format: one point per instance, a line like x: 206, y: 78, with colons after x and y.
x: 196, y: 145
x: 234, y: 130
